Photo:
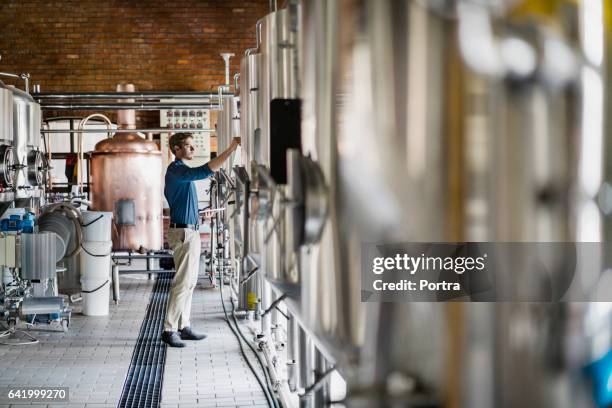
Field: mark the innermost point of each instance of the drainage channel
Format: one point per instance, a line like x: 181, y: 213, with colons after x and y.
x: 143, y: 383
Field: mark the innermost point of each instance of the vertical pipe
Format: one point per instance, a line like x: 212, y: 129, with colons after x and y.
x: 292, y: 353
x: 226, y: 57
x: 306, y: 351
x: 321, y: 396
x: 150, y: 266
x: 115, y: 277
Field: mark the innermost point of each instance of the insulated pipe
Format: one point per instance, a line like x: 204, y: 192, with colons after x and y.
x: 130, y: 105
x: 158, y: 130
x: 150, y: 256
x: 124, y: 95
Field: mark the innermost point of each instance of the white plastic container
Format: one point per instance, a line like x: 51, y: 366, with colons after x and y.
x: 97, y: 225
x: 95, y: 303
x: 95, y: 259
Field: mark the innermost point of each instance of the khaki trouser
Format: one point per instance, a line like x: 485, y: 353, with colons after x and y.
x: 186, y: 245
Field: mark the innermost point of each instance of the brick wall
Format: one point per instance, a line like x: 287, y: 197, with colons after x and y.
x: 91, y: 45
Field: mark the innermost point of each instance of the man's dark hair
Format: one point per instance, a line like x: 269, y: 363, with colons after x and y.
x: 176, y: 140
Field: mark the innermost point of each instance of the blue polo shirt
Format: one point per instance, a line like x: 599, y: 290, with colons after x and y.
x: 180, y: 191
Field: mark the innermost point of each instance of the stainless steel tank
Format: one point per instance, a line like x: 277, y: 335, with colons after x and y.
x: 26, y: 141
x: 278, y: 80
x: 126, y: 180
x: 415, y: 149
x: 354, y: 75
x: 278, y: 70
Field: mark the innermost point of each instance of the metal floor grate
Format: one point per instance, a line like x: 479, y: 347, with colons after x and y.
x: 142, y: 387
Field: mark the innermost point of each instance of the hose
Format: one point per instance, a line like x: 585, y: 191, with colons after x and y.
x: 264, y: 388
x: 272, y: 402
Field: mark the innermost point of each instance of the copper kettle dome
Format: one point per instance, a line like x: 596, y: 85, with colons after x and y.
x: 126, y: 142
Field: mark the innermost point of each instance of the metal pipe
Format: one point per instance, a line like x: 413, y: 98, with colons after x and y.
x: 115, y: 276
x: 80, y: 151
x: 26, y: 80
x: 273, y: 6
x: 226, y: 57
x: 258, y: 33
x: 321, y: 386
x: 124, y: 95
x: 6, y: 74
x: 24, y: 77
x: 130, y: 105
x: 150, y: 266
x: 236, y: 88
x: 157, y: 256
x: 132, y: 271
x: 292, y: 353
x: 306, y: 372
x: 153, y: 130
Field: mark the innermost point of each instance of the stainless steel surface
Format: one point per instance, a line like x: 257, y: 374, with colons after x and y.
x: 26, y: 137
x: 38, y: 256
x: 129, y: 167
x: 36, y: 168
x: 435, y: 122
x: 41, y: 305
x: 6, y: 114
x: 7, y: 171
x: 253, y: 147
x: 228, y: 128
x: 115, y: 278
x: 278, y: 70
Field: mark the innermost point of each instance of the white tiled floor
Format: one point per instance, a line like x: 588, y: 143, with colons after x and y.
x: 93, y: 357
x: 212, y: 372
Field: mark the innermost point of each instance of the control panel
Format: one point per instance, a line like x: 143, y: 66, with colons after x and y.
x: 188, y: 120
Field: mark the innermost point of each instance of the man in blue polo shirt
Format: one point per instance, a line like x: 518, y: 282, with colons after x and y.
x: 183, y: 235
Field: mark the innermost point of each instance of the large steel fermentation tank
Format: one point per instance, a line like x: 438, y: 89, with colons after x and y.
x: 354, y: 76
x: 126, y: 180
x: 27, y: 121
x: 422, y: 138
x: 277, y: 81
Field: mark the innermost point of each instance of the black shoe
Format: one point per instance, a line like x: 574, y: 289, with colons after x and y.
x: 188, y: 334
x: 172, y: 339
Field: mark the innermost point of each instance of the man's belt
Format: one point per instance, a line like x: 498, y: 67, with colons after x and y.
x: 192, y: 226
